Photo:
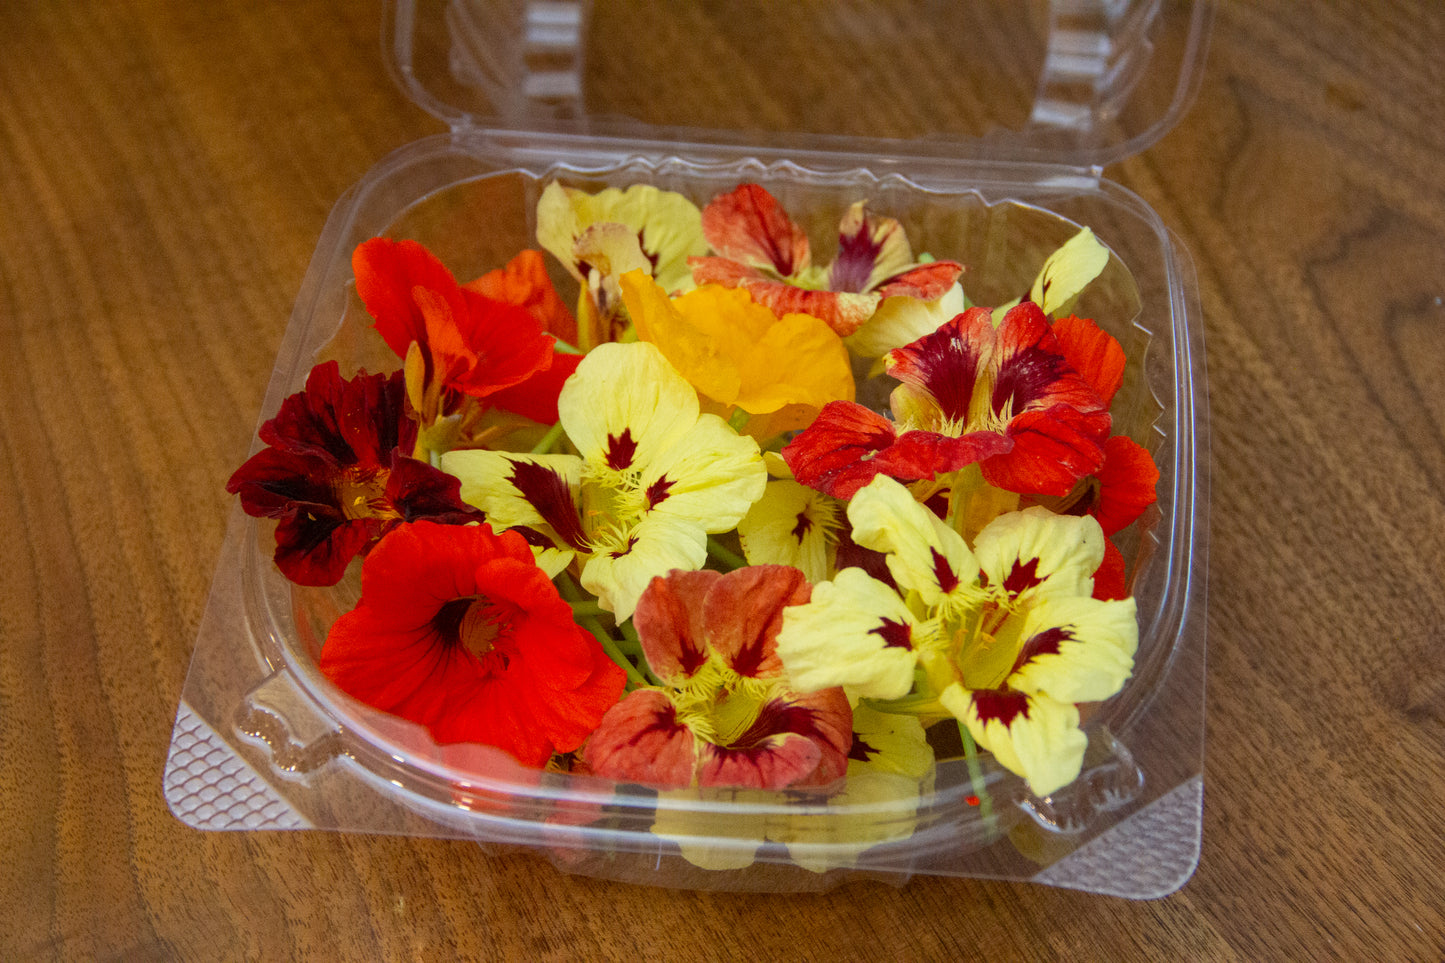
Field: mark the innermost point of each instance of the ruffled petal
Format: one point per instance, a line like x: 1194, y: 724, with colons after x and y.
x: 1034, y: 553
x: 669, y: 623
x: 641, y: 740
x: 743, y: 612
x: 791, y: 524
x: 1077, y: 649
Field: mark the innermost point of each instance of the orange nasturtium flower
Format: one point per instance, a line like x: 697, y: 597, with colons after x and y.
x: 463, y: 351
x: 760, y: 249
x: 739, y: 354
x: 458, y: 630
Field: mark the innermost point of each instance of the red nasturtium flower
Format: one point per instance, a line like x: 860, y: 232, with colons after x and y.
x: 1007, y: 398
x: 726, y: 714
x: 460, y: 631
x: 337, y: 476
x: 457, y: 343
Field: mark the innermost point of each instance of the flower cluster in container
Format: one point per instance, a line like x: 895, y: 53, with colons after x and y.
x: 659, y: 541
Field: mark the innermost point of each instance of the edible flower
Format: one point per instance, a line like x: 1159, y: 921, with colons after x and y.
x: 1006, y: 636
x: 336, y: 474
x: 599, y: 237
x: 459, y: 631
x: 653, y: 477
x: 725, y: 714
x: 759, y: 248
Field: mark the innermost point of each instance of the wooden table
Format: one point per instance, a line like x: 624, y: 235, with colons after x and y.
x: 165, y: 169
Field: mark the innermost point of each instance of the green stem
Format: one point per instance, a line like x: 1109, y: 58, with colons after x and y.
x: 725, y: 555
x: 739, y: 419
x: 609, y: 645
x: 548, y: 440
x: 582, y: 609
x: 562, y: 347
x: 975, y: 775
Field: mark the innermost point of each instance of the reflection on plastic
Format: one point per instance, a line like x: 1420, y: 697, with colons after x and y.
x: 1110, y: 781
x: 525, y: 54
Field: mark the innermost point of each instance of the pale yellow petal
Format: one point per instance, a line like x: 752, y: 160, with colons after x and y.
x: 842, y: 637
x: 709, y: 476
x: 484, y: 476
x: 716, y: 829
x: 1068, y: 550
x: 1096, y: 659
x: 791, y: 524
x: 1067, y: 272
x: 656, y: 546
x: 924, y: 554
x: 1043, y: 745
x: 902, y: 320
x: 626, y: 389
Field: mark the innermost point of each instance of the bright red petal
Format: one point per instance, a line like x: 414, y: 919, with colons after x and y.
x: 1052, y: 450
x: 1093, y: 353
x: 1109, y: 579
x: 525, y: 283
x: 834, y: 453
x: 1128, y: 481
x: 1032, y: 372
x: 387, y: 272
x: 536, y: 398
x: 945, y: 365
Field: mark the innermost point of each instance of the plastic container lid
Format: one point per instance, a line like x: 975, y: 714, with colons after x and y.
x: 1078, y: 83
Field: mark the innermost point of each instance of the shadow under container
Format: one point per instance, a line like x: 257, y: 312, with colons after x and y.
x: 996, y: 171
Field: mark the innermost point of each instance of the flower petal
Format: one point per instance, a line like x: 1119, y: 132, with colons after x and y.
x: 641, y: 740
x: 749, y: 226
x: 1094, y: 353
x: 791, y: 524
x: 1077, y: 649
x: 924, y: 554
x: 901, y: 319
x: 1032, y: 736
x: 625, y: 405
x: 854, y: 632
x: 743, y: 612
x: 669, y: 623
x: 1038, y: 553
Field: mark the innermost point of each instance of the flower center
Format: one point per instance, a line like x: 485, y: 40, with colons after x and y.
x: 361, y: 493
x: 473, y: 623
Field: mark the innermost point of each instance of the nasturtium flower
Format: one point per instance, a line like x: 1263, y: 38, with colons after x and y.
x: 1006, y: 636
x: 653, y: 476
x: 760, y: 249
x: 462, y: 351
x: 599, y: 237
x: 725, y: 714
x: 459, y: 631
x: 336, y: 474
x: 738, y: 353
x: 961, y: 386
x: 902, y: 320
x: 792, y: 525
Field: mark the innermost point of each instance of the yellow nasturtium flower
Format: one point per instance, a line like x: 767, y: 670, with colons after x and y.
x: 1005, y: 636
x: 653, y: 477
x: 599, y: 237
x: 739, y: 354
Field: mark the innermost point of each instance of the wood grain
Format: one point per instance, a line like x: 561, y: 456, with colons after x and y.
x: 165, y: 169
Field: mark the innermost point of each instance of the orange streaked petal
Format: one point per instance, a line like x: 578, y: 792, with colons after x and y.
x: 1094, y: 353
x: 748, y: 225
x: 525, y: 282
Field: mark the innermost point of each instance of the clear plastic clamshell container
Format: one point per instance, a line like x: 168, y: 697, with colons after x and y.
x: 983, y: 127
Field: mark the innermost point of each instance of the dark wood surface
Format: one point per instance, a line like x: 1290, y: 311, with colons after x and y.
x: 165, y: 169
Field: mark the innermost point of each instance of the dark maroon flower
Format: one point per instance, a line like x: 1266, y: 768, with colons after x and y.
x: 336, y: 475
